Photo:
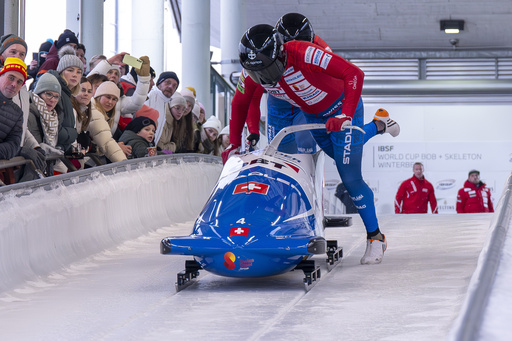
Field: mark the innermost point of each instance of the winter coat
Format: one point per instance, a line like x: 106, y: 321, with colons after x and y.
x: 51, y: 62
x: 139, y: 144
x: 22, y: 99
x: 165, y: 142
x: 127, y: 105
x: 11, y: 128
x: 101, y: 136
x: 43, y: 124
x: 67, y: 124
x: 413, y: 196
x: 474, y: 199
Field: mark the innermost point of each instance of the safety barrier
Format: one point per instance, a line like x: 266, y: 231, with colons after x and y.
x: 49, y: 223
x: 468, y: 325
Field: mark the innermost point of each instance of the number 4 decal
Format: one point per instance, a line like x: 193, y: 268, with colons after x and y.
x: 241, y: 221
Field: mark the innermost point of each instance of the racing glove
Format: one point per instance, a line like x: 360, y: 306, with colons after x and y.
x: 230, y: 150
x: 338, y: 123
x: 253, y: 139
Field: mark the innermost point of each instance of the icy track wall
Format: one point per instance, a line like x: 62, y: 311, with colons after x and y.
x: 55, y: 221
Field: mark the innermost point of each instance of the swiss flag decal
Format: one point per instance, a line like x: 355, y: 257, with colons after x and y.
x: 251, y: 187
x: 239, y: 231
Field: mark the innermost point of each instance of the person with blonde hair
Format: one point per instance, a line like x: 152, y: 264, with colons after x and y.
x: 103, y: 113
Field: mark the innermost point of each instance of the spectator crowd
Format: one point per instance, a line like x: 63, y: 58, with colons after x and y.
x: 76, y: 115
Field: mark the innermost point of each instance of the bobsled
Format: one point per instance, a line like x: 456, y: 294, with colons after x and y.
x: 264, y: 217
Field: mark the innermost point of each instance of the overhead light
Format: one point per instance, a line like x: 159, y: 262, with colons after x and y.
x: 452, y: 26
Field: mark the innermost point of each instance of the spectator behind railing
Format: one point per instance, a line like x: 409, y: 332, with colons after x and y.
x: 43, y: 121
x: 127, y: 105
x: 174, y: 133
x: 140, y: 135
x: 103, y: 114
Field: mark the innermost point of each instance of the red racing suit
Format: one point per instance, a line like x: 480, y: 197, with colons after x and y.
x: 474, y: 199
x: 414, y: 195
x: 245, y: 106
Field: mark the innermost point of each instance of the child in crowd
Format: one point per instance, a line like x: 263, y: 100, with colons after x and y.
x: 140, y: 135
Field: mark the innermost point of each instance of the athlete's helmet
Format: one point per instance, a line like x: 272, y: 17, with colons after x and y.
x: 262, y: 54
x: 295, y: 26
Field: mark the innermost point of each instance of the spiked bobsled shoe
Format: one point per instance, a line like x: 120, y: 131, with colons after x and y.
x: 391, y: 127
x: 374, y: 251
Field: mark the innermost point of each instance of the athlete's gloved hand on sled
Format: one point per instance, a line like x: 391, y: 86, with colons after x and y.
x: 338, y: 123
x: 230, y: 150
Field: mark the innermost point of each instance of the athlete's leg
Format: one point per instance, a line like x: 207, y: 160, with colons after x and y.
x: 280, y: 115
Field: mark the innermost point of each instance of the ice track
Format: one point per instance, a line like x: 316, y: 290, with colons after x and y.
x: 126, y: 292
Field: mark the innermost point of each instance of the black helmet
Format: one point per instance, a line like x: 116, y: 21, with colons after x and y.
x: 295, y: 26
x: 261, y: 53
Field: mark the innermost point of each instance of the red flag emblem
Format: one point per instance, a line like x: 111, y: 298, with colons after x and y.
x: 239, y: 231
x: 251, y: 187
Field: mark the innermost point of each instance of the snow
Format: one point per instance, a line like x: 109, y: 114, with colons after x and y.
x: 123, y: 288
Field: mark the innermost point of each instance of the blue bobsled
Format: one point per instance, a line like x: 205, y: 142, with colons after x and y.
x: 263, y: 218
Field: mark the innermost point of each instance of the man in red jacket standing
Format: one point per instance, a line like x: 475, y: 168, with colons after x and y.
x: 474, y: 197
x: 415, y: 193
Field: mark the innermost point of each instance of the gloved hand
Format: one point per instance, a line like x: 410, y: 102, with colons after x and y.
x: 338, y: 123
x: 253, y: 139
x: 84, y: 139
x: 49, y: 150
x: 37, y: 156
x: 144, y: 68
x: 230, y: 150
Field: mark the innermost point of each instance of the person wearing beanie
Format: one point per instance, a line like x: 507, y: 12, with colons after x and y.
x: 43, y: 121
x: 68, y: 72
x: 223, y: 139
x: 209, y: 132
x: 12, y: 46
x: 128, y: 105
x: 140, y: 135
x: 12, y: 78
x: 191, y: 99
x: 102, y: 118
x: 177, y: 135
x: 202, y: 113
x: 33, y: 67
x: 475, y: 196
x: 67, y: 38
x: 160, y: 96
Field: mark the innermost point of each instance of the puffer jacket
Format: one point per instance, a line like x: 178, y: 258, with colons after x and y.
x: 11, y: 128
x: 102, y: 136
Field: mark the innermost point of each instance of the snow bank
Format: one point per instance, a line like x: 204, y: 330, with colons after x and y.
x: 70, y: 219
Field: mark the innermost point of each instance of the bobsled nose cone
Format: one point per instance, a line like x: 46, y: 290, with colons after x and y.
x: 317, y: 246
x: 165, y: 246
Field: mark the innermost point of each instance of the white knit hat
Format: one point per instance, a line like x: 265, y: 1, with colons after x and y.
x: 196, y: 110
x: 213, y: 122
x: 107, y: 88
x: 189, y: 95
x: 225, y: 130
x: 178, y: 99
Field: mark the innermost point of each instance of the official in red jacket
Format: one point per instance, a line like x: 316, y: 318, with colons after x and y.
x: 415, y: 193
x: 474, y: 197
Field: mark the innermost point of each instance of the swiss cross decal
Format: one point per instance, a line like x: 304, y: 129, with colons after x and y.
x: 239, y: 231
x: 251, y: 187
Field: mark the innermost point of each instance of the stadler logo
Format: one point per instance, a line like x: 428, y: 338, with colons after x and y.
x: 251, y: 55
x: 445, y: 184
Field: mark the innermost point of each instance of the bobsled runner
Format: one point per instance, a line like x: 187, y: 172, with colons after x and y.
x: 263, y: 218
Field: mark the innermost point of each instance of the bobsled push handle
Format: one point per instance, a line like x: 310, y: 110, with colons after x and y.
x: 272, y: 147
